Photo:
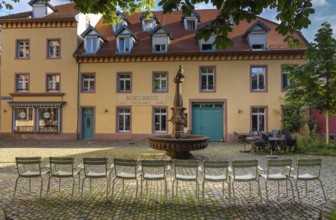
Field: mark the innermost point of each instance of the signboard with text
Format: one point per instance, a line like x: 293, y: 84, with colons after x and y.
x: 142, y: 99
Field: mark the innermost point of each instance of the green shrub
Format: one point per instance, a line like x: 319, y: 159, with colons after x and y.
x: 314, y: 143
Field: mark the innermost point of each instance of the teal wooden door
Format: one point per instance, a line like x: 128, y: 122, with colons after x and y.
x: 87, y: 123
x: 208, y: 120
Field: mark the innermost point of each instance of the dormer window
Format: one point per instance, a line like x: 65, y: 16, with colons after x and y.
x: 148, y: 23
x: 124, y: 44
x: 125, y: 40
x: 92, y: 40
x: 207, y: 46
x: 160, y: 39
x: 91, y: 44
x: 41, y: 8
x: 190, y: 22
x: 256, y: 36
x: 123, y: 22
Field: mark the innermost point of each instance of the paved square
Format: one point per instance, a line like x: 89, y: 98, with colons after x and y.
x: 152, y: 205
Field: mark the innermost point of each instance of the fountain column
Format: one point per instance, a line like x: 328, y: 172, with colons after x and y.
x: 178, y: 118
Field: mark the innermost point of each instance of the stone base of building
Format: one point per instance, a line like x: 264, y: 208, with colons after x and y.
x: 36, y: 136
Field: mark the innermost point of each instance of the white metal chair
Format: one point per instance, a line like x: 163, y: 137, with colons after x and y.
x: 216, y: 171
x: 63, y: 167
x: 244, y: 171
x: 154, y: 170
x: 125, y: 169
x: 186, y: 170
x: 308, y: 170
x: 278, y: 170
x: 29, y: 167
x: 96, y: 168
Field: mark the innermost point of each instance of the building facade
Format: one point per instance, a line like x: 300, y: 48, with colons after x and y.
x: 66, y: 75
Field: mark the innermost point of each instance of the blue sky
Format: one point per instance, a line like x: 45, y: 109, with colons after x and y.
x: 324, y: 11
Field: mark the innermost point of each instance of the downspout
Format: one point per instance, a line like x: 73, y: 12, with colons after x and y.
x: 78, y: 102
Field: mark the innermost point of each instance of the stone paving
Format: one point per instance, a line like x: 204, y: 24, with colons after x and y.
x: 125, y: 205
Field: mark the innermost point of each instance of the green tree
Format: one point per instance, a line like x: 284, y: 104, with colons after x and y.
x: 292, y: 14
x: 7, y: 4
x: 314, y: 83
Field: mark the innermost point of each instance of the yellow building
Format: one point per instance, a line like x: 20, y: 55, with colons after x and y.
x: 61, y: 79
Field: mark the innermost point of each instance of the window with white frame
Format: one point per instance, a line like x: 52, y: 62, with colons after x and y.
x: 54, y: 49
x: 207, y: 78
x: 258, y: 119
x: 124, y: 82
x: 207, y: 47
x: 117, y: 26
x: 88, y: 83
x: 124, y: 45
x: 24, y: 119
x: 91, y: 44
x: 22, y: 49
x: 148, y: 25
x: 190, y: 24
x: 160, y: 48
x: 22, y: 83
x: 48, y: 120
x: 160, y: 82
x: 160, y: 120
x: 124, y: 119
x: 53, y: 82
x: 258, y: 78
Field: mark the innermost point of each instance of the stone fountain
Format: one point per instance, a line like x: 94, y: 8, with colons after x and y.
x: 178, y: 145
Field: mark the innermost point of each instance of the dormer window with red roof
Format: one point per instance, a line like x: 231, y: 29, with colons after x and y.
x: 148, y: 23
x: 190, y: 22
x: 41, y: 8
x: 256, y: 36
x: 125, y: 40
x: 160, y: 39
x: 207, y: 46
x: 92, y: 40
x: 123, y: 22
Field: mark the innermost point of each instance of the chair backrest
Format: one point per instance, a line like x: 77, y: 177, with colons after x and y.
x: 129, y: 164
x: 264, y: 136
x: 57, y: 163
x: 190, y: 166
x: 90, y: 162
x: 279, y: 166
x: 276, y: 133
x: 287, y: 134
x: 216, y: 167
x: 312, y: 166
x: 32, y: 162
x: 244, y: 166
x: 153, y: 166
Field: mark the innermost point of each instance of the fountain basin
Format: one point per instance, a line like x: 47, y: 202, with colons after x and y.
x: 178, y: 148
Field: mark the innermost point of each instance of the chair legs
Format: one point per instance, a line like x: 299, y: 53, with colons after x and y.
x: 233, y: 190
x: 298, y: 192
x: 17, y: 181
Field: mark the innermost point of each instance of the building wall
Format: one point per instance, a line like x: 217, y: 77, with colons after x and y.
x: 37, y: 66
x: 232, y: 85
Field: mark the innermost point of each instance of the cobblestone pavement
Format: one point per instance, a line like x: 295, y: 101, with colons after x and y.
x: 125, y: 205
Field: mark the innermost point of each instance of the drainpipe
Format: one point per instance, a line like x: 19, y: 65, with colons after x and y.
x: 78, y: 101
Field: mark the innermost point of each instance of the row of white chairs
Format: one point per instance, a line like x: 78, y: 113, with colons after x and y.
x: 184, y: 170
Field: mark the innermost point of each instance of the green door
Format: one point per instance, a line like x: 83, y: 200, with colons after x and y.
x: 87, y: 123
x: 207, y: 119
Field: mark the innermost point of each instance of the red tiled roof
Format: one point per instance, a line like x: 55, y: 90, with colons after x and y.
x: 62, y: 12
x: 184, y: 41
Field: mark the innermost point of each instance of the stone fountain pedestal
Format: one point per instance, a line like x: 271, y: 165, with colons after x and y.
x: 178, y: 145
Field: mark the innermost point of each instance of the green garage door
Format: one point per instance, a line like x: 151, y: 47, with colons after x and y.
x: 207, y: 119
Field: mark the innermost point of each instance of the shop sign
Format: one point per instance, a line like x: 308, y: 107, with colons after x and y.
x: 6, y: 98
x: 142, y: 99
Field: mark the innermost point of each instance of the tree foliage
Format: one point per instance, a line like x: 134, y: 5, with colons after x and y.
x: 293, y: 15
x: 314, y: 83
x: 7, y: 4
